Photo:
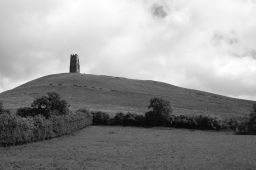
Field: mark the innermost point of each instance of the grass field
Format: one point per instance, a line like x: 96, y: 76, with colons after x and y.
x: 100, y: 147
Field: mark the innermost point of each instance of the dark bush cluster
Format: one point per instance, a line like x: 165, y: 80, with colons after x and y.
x: 18, y: 130
x: 129, y: 119
x: 181, y: 121
x: 160, y: 115
x: 231, y: 123
x: 248, y: 125
x: 100, y: 118
x: 252, y: 120
x: 196, y: 122
x: 46, y: 106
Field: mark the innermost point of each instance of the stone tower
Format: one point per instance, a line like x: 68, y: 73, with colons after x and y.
x: 74, y: 64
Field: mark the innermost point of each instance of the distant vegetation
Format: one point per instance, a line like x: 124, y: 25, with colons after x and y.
x: 248, y: 125
x: 160, y: 112
x: 161, y: 115
x: 46, y: 106
x: 48, y: 117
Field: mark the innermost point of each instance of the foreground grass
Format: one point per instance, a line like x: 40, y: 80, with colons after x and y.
x: 100, y: 147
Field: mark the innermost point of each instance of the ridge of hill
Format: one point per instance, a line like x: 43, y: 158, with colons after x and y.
x: 116, y: 94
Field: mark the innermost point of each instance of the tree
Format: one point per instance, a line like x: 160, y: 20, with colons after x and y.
x: 51, y: 103
x: 160, y: 112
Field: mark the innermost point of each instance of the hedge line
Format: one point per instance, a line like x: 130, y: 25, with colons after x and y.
x: 201, y: 122
x: 18, y: 130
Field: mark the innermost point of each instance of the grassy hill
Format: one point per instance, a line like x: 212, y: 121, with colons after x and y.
x: 114, y: 94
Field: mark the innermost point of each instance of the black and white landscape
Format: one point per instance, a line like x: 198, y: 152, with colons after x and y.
x: 127, y: 84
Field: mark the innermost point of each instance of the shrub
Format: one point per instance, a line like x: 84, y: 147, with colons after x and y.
x: 243, y: 127
x: 196, y: 122
x: 100, y: 118
x: 118, y: 119
x: 131, y: 119
x: 183, y: 122
x: 26, y: 112
x: 252, y: 119
x: 45, y: 106
x: 248, y: 125
x: 128, y: 119
x: 43, y: 128
x: 51, y: 103
x: 231, y: 124
x: 160, y: 112
x: 17, y: 130
x: 208, y: 122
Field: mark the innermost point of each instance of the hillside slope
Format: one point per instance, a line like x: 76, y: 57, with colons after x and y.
x: 113, y: 94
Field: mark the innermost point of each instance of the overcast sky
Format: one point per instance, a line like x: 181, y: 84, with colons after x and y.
x: 208, y: 45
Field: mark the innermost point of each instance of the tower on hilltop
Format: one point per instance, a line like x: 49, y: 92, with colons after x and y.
x: 74, y: 64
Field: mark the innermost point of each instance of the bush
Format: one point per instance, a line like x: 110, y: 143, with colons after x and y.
x: 243, y: 127
x: 100, y: 118
x: 231, y: 124
x: 15, y: 130
x: 252, y: 119
x: 45, y: 106
x: 121, y: 119
x: 181, y: 121
x: 196, y: 122
x: 248, y: 125
x: 160, y: 113
x: 51, y: 103
x: 131, y: 119
x: 18, y: 130
x: 26, y: 112
x: 118, y: 119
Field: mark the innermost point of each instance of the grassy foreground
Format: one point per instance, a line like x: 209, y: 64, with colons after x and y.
x: 100, y: 147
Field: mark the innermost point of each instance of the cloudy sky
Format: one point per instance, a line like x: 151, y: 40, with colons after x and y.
x: 208, y: 45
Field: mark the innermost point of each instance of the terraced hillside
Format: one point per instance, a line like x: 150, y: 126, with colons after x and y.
x: 113, y: 94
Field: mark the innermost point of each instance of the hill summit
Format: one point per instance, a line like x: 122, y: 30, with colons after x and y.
x: 116, y: 94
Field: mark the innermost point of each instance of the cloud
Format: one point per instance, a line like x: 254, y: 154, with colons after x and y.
x: 159, y: 11
x: 202, y: 44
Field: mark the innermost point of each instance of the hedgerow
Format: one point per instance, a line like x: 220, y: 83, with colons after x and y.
x: 48, y: 117
x: 176, y: 121
x: 248, y: 124
x: 128, y: 119
x: 196, y: 122
x: 18, y: 130
x: 100, y: 118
